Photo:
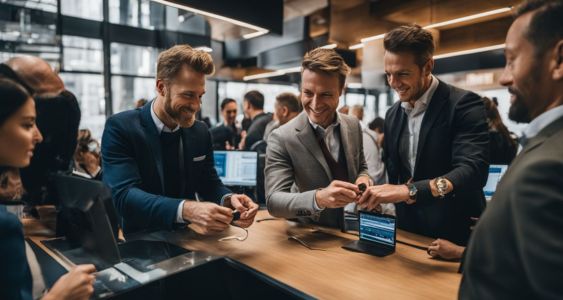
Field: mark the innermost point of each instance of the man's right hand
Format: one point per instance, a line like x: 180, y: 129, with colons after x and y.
x: 337, y: 194
x: 207, y: 217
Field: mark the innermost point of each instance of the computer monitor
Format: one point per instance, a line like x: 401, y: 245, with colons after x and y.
x: 495, y: 174
x: 236, y: 168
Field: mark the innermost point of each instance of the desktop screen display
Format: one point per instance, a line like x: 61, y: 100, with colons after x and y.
x: 495, y: 174
x: 236, y: 168
x: 377, y: 228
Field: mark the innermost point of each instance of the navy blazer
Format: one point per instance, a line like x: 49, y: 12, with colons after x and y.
x: 15, y: 277
x: 454, y: 143
x: 133, y: 169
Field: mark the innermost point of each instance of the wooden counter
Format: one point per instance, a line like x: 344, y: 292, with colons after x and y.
x: 334, y: 273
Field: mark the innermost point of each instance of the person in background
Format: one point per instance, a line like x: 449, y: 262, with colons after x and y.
x: 140, y: 103
x: 58, y: 118
x: 502, y: 146
x: 226, y: 135
x: 18, y: 137
x: 372, y: 149
x: 287, y: 107
x: 345, y: 109
x: 253, y: 105
x: 377, y: 126
x: 87, y: 159
x: 515, y: 249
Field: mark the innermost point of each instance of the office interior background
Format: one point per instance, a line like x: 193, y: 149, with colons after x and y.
x: 106, y: 50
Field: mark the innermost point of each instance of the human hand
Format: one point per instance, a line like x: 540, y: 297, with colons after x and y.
x: 337, y: 194
x: 246, y: 207
x: 77, y: 284
x: 445, y: 249
x: 385, y: 193
x: 206, y: 217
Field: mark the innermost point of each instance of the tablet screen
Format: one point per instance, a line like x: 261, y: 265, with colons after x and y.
x: 377, y: 228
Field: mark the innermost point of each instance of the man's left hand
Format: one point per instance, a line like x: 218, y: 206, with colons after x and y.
x: 245, y: 206
x: 385, y: 193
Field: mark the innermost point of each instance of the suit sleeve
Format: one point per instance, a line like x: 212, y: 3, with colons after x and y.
x: 209, y: 186
x: 538, y: 219
x: 279, y: 178
x: 121, y: 174
x: 470, y: 147
x: 15, y: 279
x: 363, y: 168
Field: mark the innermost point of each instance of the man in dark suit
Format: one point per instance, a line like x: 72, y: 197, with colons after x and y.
x: 516, y: 249
x: 436, y: 147
x: 253, y: 105
x: 156, y: 158
x: 226, y: 136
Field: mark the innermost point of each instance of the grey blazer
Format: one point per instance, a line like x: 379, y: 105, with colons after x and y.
x: 296, y: 167
x: 515, y: 251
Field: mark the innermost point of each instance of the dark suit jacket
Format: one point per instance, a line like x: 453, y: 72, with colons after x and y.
x: 223, y: 133
x: 516, y: 251
x: 454, y: 143
x: 133, y: 169
x: 256, y: 130
x: 15, y: 277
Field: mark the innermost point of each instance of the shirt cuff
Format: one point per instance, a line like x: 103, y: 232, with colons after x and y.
x: 179, y: 218
x: 316, y: 207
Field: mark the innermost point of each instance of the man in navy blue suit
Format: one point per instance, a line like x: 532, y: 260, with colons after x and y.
x: 157, y: 157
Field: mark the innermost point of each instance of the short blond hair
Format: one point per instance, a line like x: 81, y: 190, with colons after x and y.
x: 326, y: 61
x: 170, y: 62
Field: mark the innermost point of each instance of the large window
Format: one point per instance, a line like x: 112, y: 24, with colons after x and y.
x: 82, y: 54
x: 133, y: 60
x: 89, y: 90
x: 137, y: 13
x: 85, y: 9
x: 127, y: 90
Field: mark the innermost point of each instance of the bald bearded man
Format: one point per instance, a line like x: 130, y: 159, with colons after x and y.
x: 58, y: 117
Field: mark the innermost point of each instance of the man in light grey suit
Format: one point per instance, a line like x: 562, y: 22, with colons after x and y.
x: 315, y: 162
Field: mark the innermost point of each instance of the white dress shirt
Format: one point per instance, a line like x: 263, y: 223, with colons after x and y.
x: 415, y: 115
x: 542, y: 121
x: 331, y: 136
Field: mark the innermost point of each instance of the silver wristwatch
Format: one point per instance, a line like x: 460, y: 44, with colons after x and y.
x: 441, y: 186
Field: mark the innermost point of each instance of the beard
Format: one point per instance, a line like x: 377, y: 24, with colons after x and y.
x: 518, y: 111
x: 185, y: 117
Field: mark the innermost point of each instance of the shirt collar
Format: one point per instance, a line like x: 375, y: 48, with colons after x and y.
x: 158, y: 123
x: 330, y: 127
x: 424, y: 100
x: 542, y: 121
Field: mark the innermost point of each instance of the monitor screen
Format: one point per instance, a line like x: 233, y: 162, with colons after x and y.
x: 377, y: 228
x: 236, y: 167
x: 495, y: 174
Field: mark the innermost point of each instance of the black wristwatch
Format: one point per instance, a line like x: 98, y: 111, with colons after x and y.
x: 412, y: 193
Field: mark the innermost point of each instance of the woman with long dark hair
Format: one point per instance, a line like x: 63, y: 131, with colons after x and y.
x: 502, y: 146
x: 18, y: 137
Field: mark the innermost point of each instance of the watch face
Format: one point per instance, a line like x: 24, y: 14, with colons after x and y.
x: 442, y: 184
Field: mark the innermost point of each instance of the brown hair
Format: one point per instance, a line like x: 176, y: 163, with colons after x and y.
x: 326, y: 61
x: 172, y: 60
x: 290, y: 101
x: 494, y: 120
x: 410, y: 39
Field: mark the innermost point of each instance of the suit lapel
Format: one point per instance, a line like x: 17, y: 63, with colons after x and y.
x: 345, y: 132
x: 152, y: 137
x: 434, y: 108
x: 307, y: 137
